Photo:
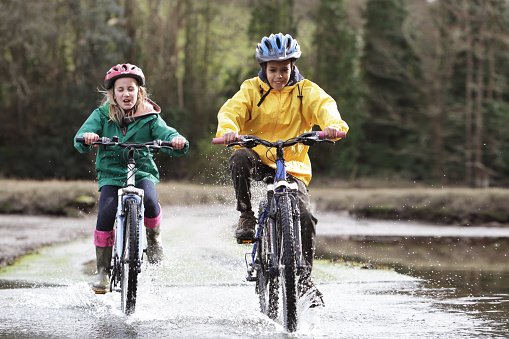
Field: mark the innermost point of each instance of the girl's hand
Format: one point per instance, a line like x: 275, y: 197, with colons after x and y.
x: 229, y: 137
x: 178, y: 142
x: 332, y: 133
x: 90, y: 138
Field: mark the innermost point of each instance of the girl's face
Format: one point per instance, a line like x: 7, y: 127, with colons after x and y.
x: 278, y: 73
x: 126, y: 93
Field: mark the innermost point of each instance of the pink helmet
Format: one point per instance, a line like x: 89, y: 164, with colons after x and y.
x: 122, y: 71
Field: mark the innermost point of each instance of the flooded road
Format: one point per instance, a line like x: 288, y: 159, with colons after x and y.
x: 200, y: 292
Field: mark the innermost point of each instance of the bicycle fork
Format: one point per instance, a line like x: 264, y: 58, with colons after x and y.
x: 124, y: 194
x: 266, y: 223
x: 299, y: 257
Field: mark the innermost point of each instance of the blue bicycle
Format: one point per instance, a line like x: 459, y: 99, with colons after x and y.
x: 276, y: 258
x: 129, y: 246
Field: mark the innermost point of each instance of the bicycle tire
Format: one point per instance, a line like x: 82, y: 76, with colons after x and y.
x: 288, y: 264
x: 267, y: 285
x: 129, y: 282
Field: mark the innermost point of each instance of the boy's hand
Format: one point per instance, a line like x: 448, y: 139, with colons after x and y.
x: 178, y: 142
x: 332, y: 133
x: 230, y: 137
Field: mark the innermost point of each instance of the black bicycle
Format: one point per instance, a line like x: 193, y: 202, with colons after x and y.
x: 276, y: 258
x: 129, y: 246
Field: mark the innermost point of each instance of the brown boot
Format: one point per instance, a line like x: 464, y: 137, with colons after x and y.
x: 245, y: 231
x: 155, y: 252
x: 102, y: 282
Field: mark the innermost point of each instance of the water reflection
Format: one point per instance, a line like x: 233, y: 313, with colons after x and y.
x: 481, y: 294
x: 466, y: 282
x: 464, y: 275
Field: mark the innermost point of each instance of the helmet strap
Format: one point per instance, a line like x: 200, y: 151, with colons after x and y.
x: 264, y: 96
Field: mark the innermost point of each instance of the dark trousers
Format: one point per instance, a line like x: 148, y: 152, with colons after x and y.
x: 245, y: 165
x: 108, y: 201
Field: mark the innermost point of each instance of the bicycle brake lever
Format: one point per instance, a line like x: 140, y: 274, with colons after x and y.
x: 309, y: 139
x: 308, y: 142
x: 247, y: 142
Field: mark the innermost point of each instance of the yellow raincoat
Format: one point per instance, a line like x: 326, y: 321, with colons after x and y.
x: 283, y: 114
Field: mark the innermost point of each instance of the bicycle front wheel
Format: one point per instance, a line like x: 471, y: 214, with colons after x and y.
x: 129, y: 282
x: 287, y: 263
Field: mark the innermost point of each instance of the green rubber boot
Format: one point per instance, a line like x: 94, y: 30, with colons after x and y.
x: 155, y: 252
x: 102, y: 282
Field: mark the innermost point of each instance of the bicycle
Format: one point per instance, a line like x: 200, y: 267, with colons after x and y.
x: 129, y: 245
x: 277, y: 247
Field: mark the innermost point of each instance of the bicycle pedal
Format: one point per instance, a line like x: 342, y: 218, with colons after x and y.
x: 244, y: 241
x: 250, y: 278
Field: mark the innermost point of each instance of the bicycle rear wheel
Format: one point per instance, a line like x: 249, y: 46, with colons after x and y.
x: 288, y: 264
x: 267, y: 283
x: 129, y: 279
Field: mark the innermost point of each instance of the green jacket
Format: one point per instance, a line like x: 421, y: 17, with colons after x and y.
x: 111, y: 163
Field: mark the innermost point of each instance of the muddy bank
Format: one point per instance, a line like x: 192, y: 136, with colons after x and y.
x: 418, y: 252
x: 26, y: 234
x: 444, y: 206
x: 339, y: 238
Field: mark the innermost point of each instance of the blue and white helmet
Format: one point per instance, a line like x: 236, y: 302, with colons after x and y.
x: 277, y: 47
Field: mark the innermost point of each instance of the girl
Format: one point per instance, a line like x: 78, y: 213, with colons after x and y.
x: 126, y: 112
x: 278, y: 104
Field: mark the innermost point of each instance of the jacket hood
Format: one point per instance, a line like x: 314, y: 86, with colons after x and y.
x: 295, y: 77
x: 148, y: 107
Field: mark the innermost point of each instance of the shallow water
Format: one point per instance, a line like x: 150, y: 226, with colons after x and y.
x: 200, y: 292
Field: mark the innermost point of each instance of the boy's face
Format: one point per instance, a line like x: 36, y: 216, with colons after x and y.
x: 126, y: 93
x: 278, y: 73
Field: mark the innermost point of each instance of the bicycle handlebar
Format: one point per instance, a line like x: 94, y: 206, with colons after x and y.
x: 105, y: 141
x: 308, y: 138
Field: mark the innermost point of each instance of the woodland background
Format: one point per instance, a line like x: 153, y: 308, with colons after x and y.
x: 422, y: 84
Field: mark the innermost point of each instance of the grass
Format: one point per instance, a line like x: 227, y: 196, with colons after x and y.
x: 462, y: 206
x: 46, y: 197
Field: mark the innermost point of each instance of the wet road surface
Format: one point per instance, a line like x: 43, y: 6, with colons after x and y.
x: 200, y: 292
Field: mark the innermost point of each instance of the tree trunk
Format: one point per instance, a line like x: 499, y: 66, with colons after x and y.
x: 479, y: 48
x: 468, y: 95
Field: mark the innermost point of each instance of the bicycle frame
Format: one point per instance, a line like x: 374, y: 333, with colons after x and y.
x: 124, y: 194
x: 279, y: 187
x: 277, y: 254
x: 126, y: 263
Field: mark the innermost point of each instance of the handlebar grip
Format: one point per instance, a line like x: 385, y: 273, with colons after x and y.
x: 103, y: 140
x: 218, y: 141
x: 321, y: 135
x: 166, y: 143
